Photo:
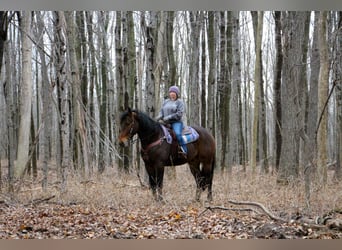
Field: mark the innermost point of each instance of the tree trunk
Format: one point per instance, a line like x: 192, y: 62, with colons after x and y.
x: 322, y: 99
x: 79, y: 119
x: 211, y: 74
x: 26, y: 97
x: 224, y: 87
x: 151, y: 43
x: 46, y: 103
x: 63, y: 91
x: 277, y: 89
x: 233, y: 145
x: 293, y: 23
x: 338, y: 70
x: 194, y: 83
x: 258, y: 81
x: 310, y: 142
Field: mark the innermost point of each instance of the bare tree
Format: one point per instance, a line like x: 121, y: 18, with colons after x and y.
x: 322, y: 98
x: 291, y: 75
x: 338, y: 74
x: 258, y: 82
x: 26, y: 96
x: 233, y: 145
x: 310, y: 142
x: 63, y: 98
x: 277, y: 88
x: 224, y: 83
x: 80, y: 137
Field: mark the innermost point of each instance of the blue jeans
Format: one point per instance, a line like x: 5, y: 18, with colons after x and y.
x: 178, y: 127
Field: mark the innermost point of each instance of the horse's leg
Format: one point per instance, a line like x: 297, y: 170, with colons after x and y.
x: 196, y: 172
x: 207, y: 179
x: 160, y: 177
x: 156, y: 175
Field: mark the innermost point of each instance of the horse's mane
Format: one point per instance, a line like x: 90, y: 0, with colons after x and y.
x: 145, y: 119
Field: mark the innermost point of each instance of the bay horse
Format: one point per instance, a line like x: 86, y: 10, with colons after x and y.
x: 158, y: 153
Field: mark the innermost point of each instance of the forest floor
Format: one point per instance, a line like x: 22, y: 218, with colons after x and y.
x: 116, y: 206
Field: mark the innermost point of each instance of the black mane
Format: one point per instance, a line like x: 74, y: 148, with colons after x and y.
x: 145, y: 120
x: 149, y: 128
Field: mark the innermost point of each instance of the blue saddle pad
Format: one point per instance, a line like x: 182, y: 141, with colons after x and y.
x: 189, y: 134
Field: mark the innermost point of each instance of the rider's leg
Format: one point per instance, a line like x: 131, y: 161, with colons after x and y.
x: 178, y: 127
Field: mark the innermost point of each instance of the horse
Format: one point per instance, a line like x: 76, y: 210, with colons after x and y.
x: 157, y: 152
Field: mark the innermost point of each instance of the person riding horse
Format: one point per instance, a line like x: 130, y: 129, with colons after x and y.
x: 171, y: 113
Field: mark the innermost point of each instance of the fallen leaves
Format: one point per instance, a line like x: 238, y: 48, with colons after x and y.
x: 83, y: 222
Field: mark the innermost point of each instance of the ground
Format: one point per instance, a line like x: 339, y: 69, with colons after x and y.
x: 116, y: 206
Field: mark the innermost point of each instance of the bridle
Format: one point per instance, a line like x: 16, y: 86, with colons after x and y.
x: 130, y: 130
x: 130, y: 133
x: 149, y: 146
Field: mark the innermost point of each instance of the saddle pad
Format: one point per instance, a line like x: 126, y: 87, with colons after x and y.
x: 186, y: 130
x: 191, y: 136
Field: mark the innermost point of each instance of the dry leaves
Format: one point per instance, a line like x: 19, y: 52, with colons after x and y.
x: 115, y: 206
x: 58, y: 221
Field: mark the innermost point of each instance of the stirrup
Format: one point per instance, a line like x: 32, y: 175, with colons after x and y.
x: 182, y: 151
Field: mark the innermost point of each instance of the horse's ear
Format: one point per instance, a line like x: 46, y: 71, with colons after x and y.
x: 129, y: 110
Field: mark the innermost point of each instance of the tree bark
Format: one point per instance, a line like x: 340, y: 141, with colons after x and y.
x: 277, y: 89
x: 258, y: 81
x: 26, y: 97
x: 293, y: 23
x: 322, y: 98
x: 233, y: 145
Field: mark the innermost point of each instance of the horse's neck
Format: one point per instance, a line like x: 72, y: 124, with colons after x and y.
x: 148, y: 134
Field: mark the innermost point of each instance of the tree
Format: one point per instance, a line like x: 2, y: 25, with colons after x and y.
x: 80, y: 137
x: 224, y: 82
x: 310, y: 142
x: 277, y: 88
x: 196, y: 21
x: 291, y: 75
x: 258, y: 82
x: 211, y: 74
x: 26, y: 96
x: 63, y: 98
x: 46, y: 100
x: 233, y: 145
x: 322, y: 99
x: 338, y: 74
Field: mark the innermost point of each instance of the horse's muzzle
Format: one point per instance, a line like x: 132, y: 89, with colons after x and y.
x: 123, y: 141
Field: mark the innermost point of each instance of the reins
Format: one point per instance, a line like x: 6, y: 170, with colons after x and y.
x: 149, y: 146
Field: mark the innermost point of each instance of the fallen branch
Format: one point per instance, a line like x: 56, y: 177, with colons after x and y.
x: 225, y: 208
x: 256, y: 204
x: 40, y: 200
x: 318, y: 223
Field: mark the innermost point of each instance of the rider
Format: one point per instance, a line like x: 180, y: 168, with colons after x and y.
x: 172, y: 112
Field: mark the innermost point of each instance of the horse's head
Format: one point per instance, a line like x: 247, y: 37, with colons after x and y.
x: 128, y: 126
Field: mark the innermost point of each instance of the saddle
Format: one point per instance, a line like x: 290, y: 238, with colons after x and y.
x: 189, y: 134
